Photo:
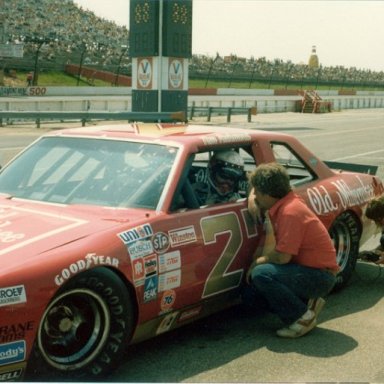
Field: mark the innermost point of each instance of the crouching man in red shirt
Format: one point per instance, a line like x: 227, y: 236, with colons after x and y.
x: 293, y: 277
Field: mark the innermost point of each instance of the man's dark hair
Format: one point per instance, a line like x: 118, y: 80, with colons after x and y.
x: 375, y: 209
x: 271, y: 179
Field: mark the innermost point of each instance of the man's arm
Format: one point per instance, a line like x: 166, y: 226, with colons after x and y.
x: 257, y: 214
x: 274, y: 257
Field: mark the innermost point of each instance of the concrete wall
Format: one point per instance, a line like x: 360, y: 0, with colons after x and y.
x: 119, y: 99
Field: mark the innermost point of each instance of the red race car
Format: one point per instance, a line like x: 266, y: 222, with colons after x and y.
x: 104, y: 242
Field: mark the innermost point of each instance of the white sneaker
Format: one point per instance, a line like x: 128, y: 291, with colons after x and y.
x: 298, y: 328
x: 316, y: 305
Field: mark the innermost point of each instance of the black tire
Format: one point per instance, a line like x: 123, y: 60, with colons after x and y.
x: 85, y: 328
x: 345, y: 233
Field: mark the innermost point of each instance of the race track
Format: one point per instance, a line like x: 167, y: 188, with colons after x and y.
x: 235, y: 346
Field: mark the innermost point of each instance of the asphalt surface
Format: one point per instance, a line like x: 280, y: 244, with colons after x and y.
x: 237, y: 346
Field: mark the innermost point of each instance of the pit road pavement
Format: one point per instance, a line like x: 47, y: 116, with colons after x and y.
x: 235, y: 346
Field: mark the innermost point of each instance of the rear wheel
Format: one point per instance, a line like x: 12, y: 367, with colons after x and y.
x: 85, y: 327
x: 345, y: 234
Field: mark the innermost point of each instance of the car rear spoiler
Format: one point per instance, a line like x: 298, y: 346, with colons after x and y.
x: 350, y: 167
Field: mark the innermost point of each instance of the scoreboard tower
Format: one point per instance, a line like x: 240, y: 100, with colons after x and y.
x: 160, y: 40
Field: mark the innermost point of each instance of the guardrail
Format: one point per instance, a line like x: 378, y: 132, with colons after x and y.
x: 229, y: 111
x: 165, y: 117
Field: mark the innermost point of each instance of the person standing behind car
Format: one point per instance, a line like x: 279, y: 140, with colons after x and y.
x: 302, y: 267
x: 375, y: 212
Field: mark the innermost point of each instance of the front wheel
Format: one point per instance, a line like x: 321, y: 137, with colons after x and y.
x: 345, y: 234
x: 85, y: 327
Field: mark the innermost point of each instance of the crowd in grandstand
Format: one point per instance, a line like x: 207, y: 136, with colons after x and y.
x: 65, y: 30
x: 64, y: 33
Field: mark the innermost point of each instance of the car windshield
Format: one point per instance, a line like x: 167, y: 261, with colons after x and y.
x: 90, y: 171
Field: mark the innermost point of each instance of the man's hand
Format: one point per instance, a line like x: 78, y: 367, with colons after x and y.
x: 257, y: 214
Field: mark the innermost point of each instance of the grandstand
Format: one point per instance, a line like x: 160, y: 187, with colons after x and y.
x: 57, y: 32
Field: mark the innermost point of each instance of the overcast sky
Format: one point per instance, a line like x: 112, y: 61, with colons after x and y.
x: 347, y: 33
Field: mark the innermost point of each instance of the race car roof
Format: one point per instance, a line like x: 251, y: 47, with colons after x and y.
x: 181, y: 133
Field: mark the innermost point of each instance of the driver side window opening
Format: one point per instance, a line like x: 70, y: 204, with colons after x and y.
x: 199, y: 179
x: 296, y: 167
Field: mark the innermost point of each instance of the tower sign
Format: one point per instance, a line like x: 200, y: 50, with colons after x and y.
x: 160, y: 46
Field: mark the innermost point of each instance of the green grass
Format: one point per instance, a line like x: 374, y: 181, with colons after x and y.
x: 61, y: 79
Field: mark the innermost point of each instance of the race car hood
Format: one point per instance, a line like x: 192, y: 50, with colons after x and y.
x: 29, y: 228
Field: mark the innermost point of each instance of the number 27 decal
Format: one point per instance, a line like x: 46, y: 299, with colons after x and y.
x: 219, y: 279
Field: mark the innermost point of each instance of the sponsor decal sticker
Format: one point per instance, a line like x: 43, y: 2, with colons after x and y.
x: 11, y: 375
x: 189, y: 314
x: 160, y: 241
x: 134, y: 234
x: 182, y: 236
x: 144, y: 73
x: 170, y: 280
x: 226, y: 138
x: 169, y: 261
x: 90, y: 260
x: 12, y: 295
x: 168, y: 299
x: 12, y: 352
x: 322, y: 202
x: 140, y: 249
x: 14, y: 332
x: 138, y: 271
x: 175, y: 74
x: 166, y: 323
x: 150, y: 288
x: 150, y: 264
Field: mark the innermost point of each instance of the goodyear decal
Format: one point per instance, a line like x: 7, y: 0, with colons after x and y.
x: 90, y: 260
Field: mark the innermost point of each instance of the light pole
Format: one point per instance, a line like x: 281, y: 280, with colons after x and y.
x: 40, y: 41
x: 253, y: 73
x: 232, y: 73
x: 123, y: 52
x: 210, y: 68
x: 83, y: 50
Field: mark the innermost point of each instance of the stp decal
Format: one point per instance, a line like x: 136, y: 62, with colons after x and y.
x: 160, y: 242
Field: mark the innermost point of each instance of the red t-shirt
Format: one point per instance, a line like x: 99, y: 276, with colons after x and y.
x: 300, y: 233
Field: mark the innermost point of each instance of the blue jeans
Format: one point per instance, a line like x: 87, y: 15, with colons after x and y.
x: 286, y: 288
